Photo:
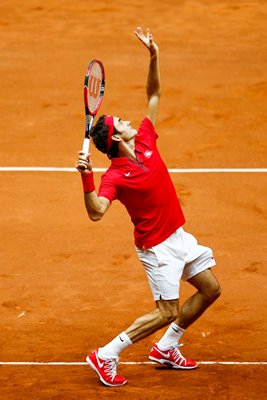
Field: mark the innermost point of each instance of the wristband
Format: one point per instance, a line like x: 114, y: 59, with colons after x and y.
x: 88, y: 182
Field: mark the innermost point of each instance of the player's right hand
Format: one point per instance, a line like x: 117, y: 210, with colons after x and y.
x: 84, y: 164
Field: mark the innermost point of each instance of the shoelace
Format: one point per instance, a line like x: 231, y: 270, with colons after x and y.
x: 178, y: 358
x: 111, y: 367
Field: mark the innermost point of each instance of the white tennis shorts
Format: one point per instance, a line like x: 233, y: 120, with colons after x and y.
x: 178, y: 257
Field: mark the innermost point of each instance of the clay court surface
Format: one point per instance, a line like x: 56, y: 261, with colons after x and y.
x: 68, y: 285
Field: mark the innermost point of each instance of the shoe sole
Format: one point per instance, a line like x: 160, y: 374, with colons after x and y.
x: 89, y: 362
x: 170, y: 363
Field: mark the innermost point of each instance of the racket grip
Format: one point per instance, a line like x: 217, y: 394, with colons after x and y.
x: 86, y: 145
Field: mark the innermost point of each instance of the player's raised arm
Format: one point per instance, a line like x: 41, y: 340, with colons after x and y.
x: 153, y: 79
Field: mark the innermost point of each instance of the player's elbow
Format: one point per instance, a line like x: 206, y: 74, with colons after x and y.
x: 94, y: 217
x: 95, y: 212
x: 154, y: 96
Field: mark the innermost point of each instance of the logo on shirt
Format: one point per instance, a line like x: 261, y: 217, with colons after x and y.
x: 128, y: 173
x: 148, y: 153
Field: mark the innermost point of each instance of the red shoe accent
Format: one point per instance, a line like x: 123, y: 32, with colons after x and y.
x: 171, y: 357
x: 106, y: 369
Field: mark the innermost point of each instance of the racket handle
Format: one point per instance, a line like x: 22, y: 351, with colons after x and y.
x: 86, y: 145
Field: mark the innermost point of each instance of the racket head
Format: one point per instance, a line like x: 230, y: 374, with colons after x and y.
x: 94, y: 86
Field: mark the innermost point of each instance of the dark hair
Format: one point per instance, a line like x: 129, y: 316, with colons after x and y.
x: 99, y: 133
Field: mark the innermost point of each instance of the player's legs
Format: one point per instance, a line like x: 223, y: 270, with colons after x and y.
x: 164, y: 282
x: 166, y: 351
x: 105, y: 359
x: 164, y: 265
x: 178, y: 257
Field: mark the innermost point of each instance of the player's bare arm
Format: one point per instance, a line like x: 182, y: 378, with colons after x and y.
x: 153, y: 79
x: 96, y: 206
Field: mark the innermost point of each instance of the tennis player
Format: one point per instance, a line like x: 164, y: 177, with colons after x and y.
x: 139, y: 179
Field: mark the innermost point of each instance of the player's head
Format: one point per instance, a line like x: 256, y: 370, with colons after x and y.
x: 109, y: 131
x: 102, y: 134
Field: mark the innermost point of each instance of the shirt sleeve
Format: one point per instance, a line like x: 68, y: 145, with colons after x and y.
x: 107, y: 188
x: 147, y: 129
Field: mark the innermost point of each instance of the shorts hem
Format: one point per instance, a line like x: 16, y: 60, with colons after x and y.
x: 157, y: 298
x: 211, y: 264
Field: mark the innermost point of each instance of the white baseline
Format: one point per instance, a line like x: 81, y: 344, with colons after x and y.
x: 171, y: 170
x: 129, y: 363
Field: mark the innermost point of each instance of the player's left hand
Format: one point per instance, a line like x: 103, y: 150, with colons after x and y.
x: 147, y: 40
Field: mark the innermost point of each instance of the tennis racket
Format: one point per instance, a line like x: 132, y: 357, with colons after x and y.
x: 94, y: 86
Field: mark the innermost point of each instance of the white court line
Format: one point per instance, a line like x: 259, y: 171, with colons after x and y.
x: 131, y: 363
x: 171, y: 170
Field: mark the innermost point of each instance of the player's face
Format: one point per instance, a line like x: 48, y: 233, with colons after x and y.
x: 125, y: 129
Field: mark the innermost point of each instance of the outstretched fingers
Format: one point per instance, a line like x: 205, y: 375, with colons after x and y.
x: 139, y: 33
x: 146, y: 39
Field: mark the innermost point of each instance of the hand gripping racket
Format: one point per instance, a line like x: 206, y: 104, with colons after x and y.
x: 94, y: 86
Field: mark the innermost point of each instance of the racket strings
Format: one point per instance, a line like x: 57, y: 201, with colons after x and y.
x: 94, y: 87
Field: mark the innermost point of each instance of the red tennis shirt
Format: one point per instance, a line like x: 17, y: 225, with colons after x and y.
x: 145, y: 188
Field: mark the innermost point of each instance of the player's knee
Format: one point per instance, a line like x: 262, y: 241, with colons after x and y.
x: 217, y: 292
x: 167, y: 316
x: 213, y: 292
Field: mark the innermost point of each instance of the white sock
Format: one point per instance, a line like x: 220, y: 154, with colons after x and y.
x: 171, y: 337
x: 113, y: 348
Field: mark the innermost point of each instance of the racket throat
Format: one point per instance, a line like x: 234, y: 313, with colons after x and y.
x: 88, y: 125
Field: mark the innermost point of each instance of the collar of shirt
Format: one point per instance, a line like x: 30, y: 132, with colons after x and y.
x: 117, y: 162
